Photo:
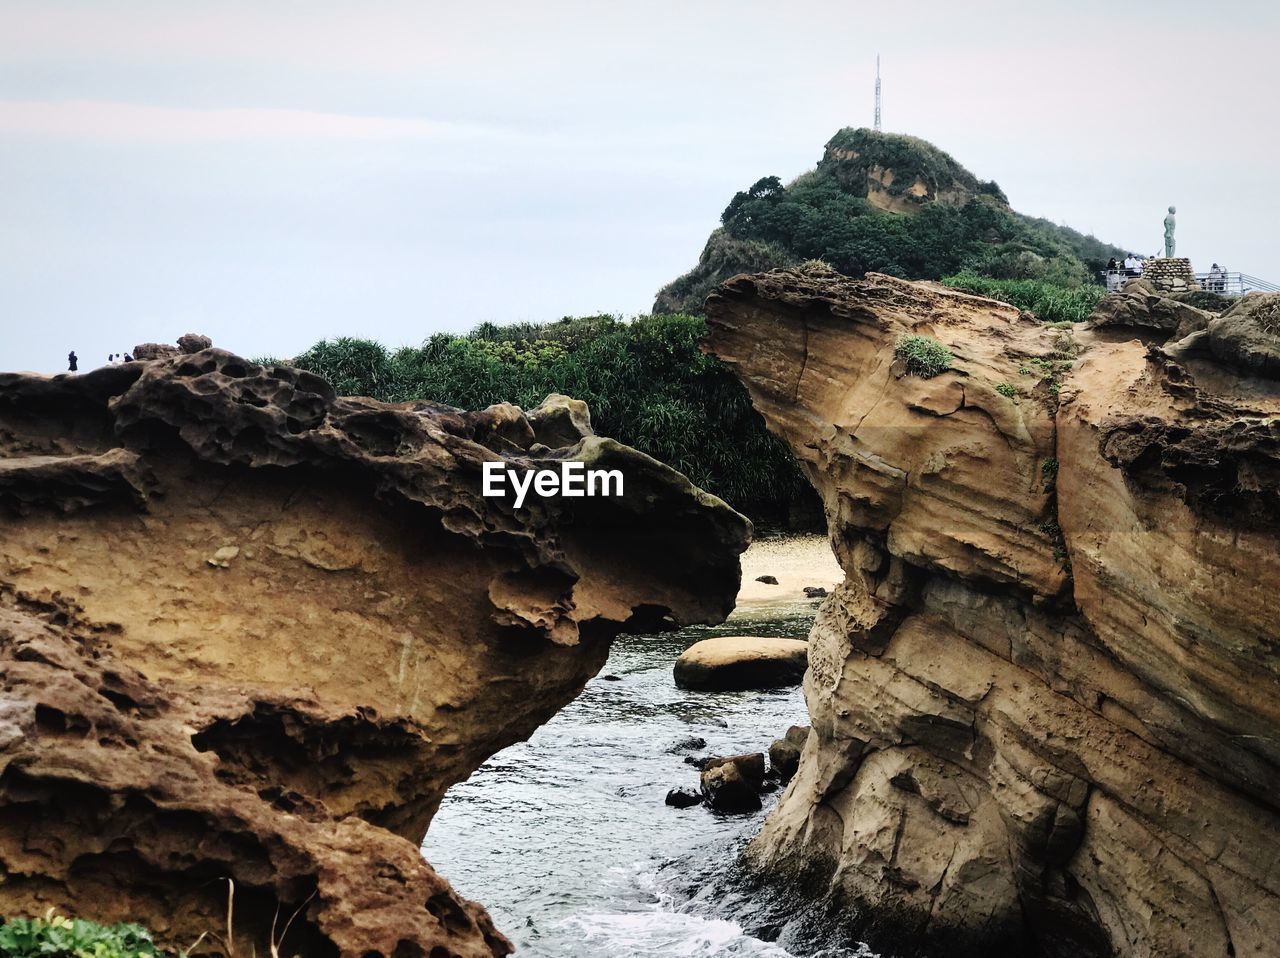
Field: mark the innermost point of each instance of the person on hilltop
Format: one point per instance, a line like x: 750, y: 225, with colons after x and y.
x: 73, y: 362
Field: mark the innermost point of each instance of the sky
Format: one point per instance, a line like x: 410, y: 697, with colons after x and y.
x: 273, y: 173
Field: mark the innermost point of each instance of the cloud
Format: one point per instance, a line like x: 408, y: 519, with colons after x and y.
x: 114, y: 120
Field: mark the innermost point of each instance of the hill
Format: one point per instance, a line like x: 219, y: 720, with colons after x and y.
x: 888, y: 203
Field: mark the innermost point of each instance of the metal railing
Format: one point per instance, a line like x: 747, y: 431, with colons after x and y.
x: 1222, y: 282
x: 1234, y: 284
x: 1115, y: 278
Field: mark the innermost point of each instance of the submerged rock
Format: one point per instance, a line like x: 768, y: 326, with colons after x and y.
x: 250, y: 632
x: 1045, y: 700
x: 767, y: 579
x: 737, y: 662
x: 683, y: 798
x: 691, y: 743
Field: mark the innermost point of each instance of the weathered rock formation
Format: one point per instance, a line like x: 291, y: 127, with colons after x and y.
x: 251, y: 632
x: 1046, y: 698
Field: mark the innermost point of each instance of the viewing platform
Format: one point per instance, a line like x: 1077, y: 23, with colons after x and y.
x: 1176, y: 275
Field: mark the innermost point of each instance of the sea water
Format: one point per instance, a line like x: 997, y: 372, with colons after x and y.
x: 567, y: 841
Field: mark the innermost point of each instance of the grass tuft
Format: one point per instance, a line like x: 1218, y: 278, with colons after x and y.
x: 924, y: 357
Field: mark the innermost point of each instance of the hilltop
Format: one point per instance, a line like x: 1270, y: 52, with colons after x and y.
x: 887, y: 203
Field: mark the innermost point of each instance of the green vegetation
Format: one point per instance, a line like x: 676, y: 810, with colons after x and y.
x: 646, y: 381
x: 891, y: 204
x: 924, y: 357
x: 1008, y: 390
x: 910, y: 158
x: 1049, y: 474
x: 57, y: 937
x: 1049, y: 302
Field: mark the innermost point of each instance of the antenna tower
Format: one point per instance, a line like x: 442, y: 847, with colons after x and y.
x: 877, y: 127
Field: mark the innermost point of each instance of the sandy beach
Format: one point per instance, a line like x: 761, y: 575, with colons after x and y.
x: 795, y: 561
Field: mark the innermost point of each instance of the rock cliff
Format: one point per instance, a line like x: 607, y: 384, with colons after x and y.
x: 251, y: 632
x: 1046, y: 698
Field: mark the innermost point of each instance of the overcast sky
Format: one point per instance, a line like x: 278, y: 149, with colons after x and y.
x: 273, y: 173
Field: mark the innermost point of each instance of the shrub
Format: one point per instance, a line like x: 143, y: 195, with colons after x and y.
x: 1008, y: 390
x: 1050, y: 302
x: 924, y: 357
x: 57, y: 937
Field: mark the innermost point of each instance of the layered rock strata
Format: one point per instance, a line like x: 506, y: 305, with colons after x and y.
x: 250, y: 633
x: 1046, y: 698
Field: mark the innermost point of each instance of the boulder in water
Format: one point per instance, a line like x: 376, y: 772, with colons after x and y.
x: 737, y: 662
x: 750, y: 765
x: 784, y: 753
x: 727, y: 790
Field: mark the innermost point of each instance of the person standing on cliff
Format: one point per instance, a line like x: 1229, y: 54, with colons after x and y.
x: 1169, y: 224
x: 72, y: 361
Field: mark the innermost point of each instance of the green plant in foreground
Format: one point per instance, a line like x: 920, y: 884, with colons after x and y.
x: 924, y: 357
x: 1007, y: 390
x: 55, y: 936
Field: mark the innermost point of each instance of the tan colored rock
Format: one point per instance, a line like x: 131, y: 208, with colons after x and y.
x: 193, y: 342
x: 148, y: 351
x: 1137, y: 308
x: 1046, y: 699
x: 735, y: 662
x: 750, y: 766
x: 1247, y: 336
x: 253, y: 631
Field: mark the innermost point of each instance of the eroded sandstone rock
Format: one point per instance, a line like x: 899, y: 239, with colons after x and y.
x: 1247, y: 335
x: 1046, y: 698
x: 251, y: 631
